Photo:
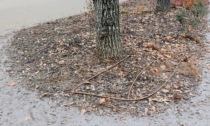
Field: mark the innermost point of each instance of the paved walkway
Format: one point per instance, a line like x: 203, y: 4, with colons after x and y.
x: 15, y: 14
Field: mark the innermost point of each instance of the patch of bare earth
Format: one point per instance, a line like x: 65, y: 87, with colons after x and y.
x: 161, y: 64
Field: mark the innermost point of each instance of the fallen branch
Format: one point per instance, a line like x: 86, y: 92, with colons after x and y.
x: 99, y: 73
x: 137, y: 78
x: 108, y: 68
x: 138, y: 99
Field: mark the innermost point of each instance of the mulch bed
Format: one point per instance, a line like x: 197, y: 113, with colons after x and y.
x: 160, y: 63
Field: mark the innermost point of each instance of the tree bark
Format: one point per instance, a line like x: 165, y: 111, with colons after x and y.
x: 163, y: 5
x: 107, y: 27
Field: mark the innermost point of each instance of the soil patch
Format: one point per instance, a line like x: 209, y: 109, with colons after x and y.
x: 55, y: 57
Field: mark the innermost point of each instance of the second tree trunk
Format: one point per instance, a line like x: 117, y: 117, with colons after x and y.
x: 163, y: 5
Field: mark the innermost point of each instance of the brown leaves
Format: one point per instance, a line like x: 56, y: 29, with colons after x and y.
x: 82, y: 111
x: 27, y: 118
x: 163, y: 67
x: 146, y: 37
x: 151, y: 109
x: 208, y: 67
x: 167, y: 86
x: 154, y: 70
x: 208, y: 50
x: 176, y: 85
x: 177, y: 96
x: 164, y: 76
x: 121, y: 74
x: 86, y: 82
x: 139, y: 9
x: 102, y: 101
x: 11, y: 84
x: 160, y: 99
x: 60, y: 42
x: 186, y: 3
x: 61, y: 62
x: 189, y: 69
x: 151, y: 46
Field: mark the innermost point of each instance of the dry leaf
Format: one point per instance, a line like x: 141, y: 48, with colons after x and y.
x: 168, y: 86
x: 153, y: 109
x: 154, y: 70
x: 168, y: 56
x: 60, y: 42
x: 102, y: 101
x: 86, y: 82
x: 139, y: 9
x: 83, y: 111
x: 176, y: 85
x: 177, y: 96
x: 141, y: 30
x: 121, y: 74
x: 208, y: 50
x: 151, y: 46
x: 146, y: 110
x: 44, y: 95
x: 164, y: 76
x: 27, y: 118
x: 160, y: 99
x: 93, y: 87
x: 12, y: 84
x: 165, y: 91
x: 208, y: 67
x: 52, y: 113
x: 163, y: 67
x: 100, y: 81
x: 61, y: 62
x: 168, y: 37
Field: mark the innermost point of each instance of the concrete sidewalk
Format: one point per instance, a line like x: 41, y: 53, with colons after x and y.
x: 16, y: 14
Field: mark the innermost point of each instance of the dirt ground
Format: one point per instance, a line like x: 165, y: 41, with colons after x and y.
x: 20, y: 107
x: 55, y: 57
x: 57, y: 107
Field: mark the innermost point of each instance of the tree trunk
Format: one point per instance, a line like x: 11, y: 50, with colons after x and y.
x: 163, y: 5
x: 107, y: 27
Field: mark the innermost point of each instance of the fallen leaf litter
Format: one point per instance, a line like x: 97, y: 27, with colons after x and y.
x: 58, y: 59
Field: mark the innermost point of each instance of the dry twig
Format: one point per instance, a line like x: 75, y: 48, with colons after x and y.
x: 99, y: 73
x: 137, y: 99
x: 137, y: 78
